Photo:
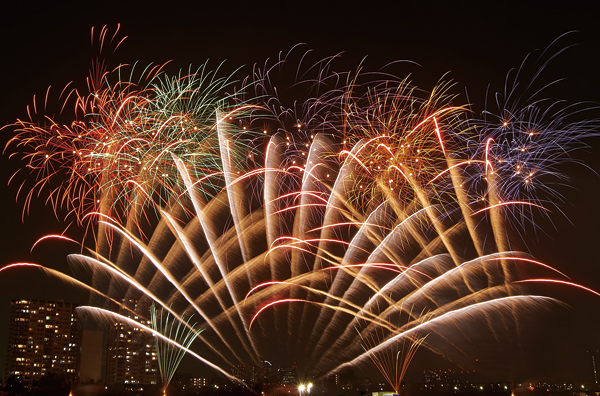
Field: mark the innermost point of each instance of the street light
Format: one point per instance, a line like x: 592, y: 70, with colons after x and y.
x: 301, y: 389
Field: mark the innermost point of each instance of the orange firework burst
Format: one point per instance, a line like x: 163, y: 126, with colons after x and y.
x: 400, y: 138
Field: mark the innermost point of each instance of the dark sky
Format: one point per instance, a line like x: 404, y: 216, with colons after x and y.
x: 43, y: 45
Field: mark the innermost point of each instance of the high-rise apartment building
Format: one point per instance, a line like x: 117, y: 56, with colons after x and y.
x: 131, y: 358
x: 43, y: 338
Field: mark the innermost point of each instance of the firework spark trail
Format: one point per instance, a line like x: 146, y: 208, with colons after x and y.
x: 423, y: 295
x: 65, y: 278
x: 392, y: 362
x: 103, y: 312
x: 370, y: 193
x: 178, y: 330
x: 462, y: 313
x: 211, y: 239
x: 117, y: 274
x: 172, y: 281
x: 385, y: 250
x: 93, y: 291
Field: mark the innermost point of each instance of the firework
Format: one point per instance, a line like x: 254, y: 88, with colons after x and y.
x: 172, y: 328
x: 283, y: 236
x: 394, y: 361
x: 116, y: 153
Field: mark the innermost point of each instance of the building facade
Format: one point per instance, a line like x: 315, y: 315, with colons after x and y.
x: 131, y: 356
x: 43, y: 337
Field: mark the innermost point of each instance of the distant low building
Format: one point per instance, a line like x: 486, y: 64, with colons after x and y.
x: 199, y: 382
x: 287, y: 375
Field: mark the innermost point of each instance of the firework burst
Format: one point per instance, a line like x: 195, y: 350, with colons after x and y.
x: 116, y: 155
x: 282, y: 236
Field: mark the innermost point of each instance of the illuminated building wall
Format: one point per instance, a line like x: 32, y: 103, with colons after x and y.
x: 131, y: 357
x: 43, y: 337
x: 199, y: 382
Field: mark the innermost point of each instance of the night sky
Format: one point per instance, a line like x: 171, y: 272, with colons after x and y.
x: 43, y: 45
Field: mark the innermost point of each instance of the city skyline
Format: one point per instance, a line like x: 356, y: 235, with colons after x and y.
x: 576, y: 258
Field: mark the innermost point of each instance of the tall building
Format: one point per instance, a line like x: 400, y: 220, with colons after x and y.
x: 43, y: 338
x: 131, y: 358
